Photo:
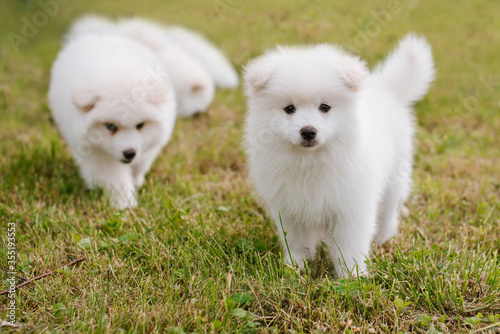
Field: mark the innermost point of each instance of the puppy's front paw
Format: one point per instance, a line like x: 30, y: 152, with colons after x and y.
x: 384, y: 238
x: 387, y: 232
x: 122, y: 198
x: 299, y: 259
x: 351, y: 270
x: 122, y: 203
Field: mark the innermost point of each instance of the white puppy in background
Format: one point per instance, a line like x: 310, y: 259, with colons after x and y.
x: 114, y: 104
x: 214, y: 61
x: 330, y: 146
x: 194, y: 86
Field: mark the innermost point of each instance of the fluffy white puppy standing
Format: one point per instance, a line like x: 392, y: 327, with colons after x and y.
x: 194, y: 86
x: 330, y: 147
x: 114, y: 104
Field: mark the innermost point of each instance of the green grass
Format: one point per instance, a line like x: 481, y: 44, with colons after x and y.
x: 199, y: 254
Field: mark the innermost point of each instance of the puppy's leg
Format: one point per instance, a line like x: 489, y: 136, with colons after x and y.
x: 350, y: 240
x: 392, y: 204
x: 121, y: 190
x: 88, y: 169
x: 140, y: 169
x: 116, y: 179
x: 301, y: 240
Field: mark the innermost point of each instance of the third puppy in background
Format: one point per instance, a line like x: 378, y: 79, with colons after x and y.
x: 330, y: 145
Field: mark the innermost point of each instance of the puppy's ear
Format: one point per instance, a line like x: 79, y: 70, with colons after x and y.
x: 258, y: 73
x: 159, y: 94
x: 353, y: 72
x: 85, y: 98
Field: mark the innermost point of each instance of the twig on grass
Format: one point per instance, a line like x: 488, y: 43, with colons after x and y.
x: 42, y: 276
x: 18, y: 277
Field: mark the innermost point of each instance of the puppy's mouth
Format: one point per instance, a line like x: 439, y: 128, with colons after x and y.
x: 126, y: 161
x: 309, y: 143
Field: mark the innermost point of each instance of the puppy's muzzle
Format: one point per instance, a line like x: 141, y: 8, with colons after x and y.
x: 128, y: 155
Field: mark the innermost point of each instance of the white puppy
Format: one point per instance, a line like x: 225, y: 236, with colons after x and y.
x: 114, y: 104
x: 329, y: 145
x: 194, y: 87
x: 214, y: 61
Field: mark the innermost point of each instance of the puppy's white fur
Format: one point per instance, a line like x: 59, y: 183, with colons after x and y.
x: 194, y: 86
x: 345, y: 186
x: 214, y: 61
x: 99, y: 80
x: 90, y: 23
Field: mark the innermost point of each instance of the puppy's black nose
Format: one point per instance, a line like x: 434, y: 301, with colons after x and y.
x: 129, y: 154
x: 308, y: 132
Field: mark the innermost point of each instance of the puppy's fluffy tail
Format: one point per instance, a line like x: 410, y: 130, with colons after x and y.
x: 409, y: 69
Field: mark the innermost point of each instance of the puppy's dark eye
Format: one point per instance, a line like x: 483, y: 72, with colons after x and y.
x: 324, y: 108
x: 139, y: 126
x: 111, y: 127
x: 289, y: 109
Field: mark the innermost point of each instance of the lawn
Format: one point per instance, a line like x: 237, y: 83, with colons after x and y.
x: 199, y: 254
